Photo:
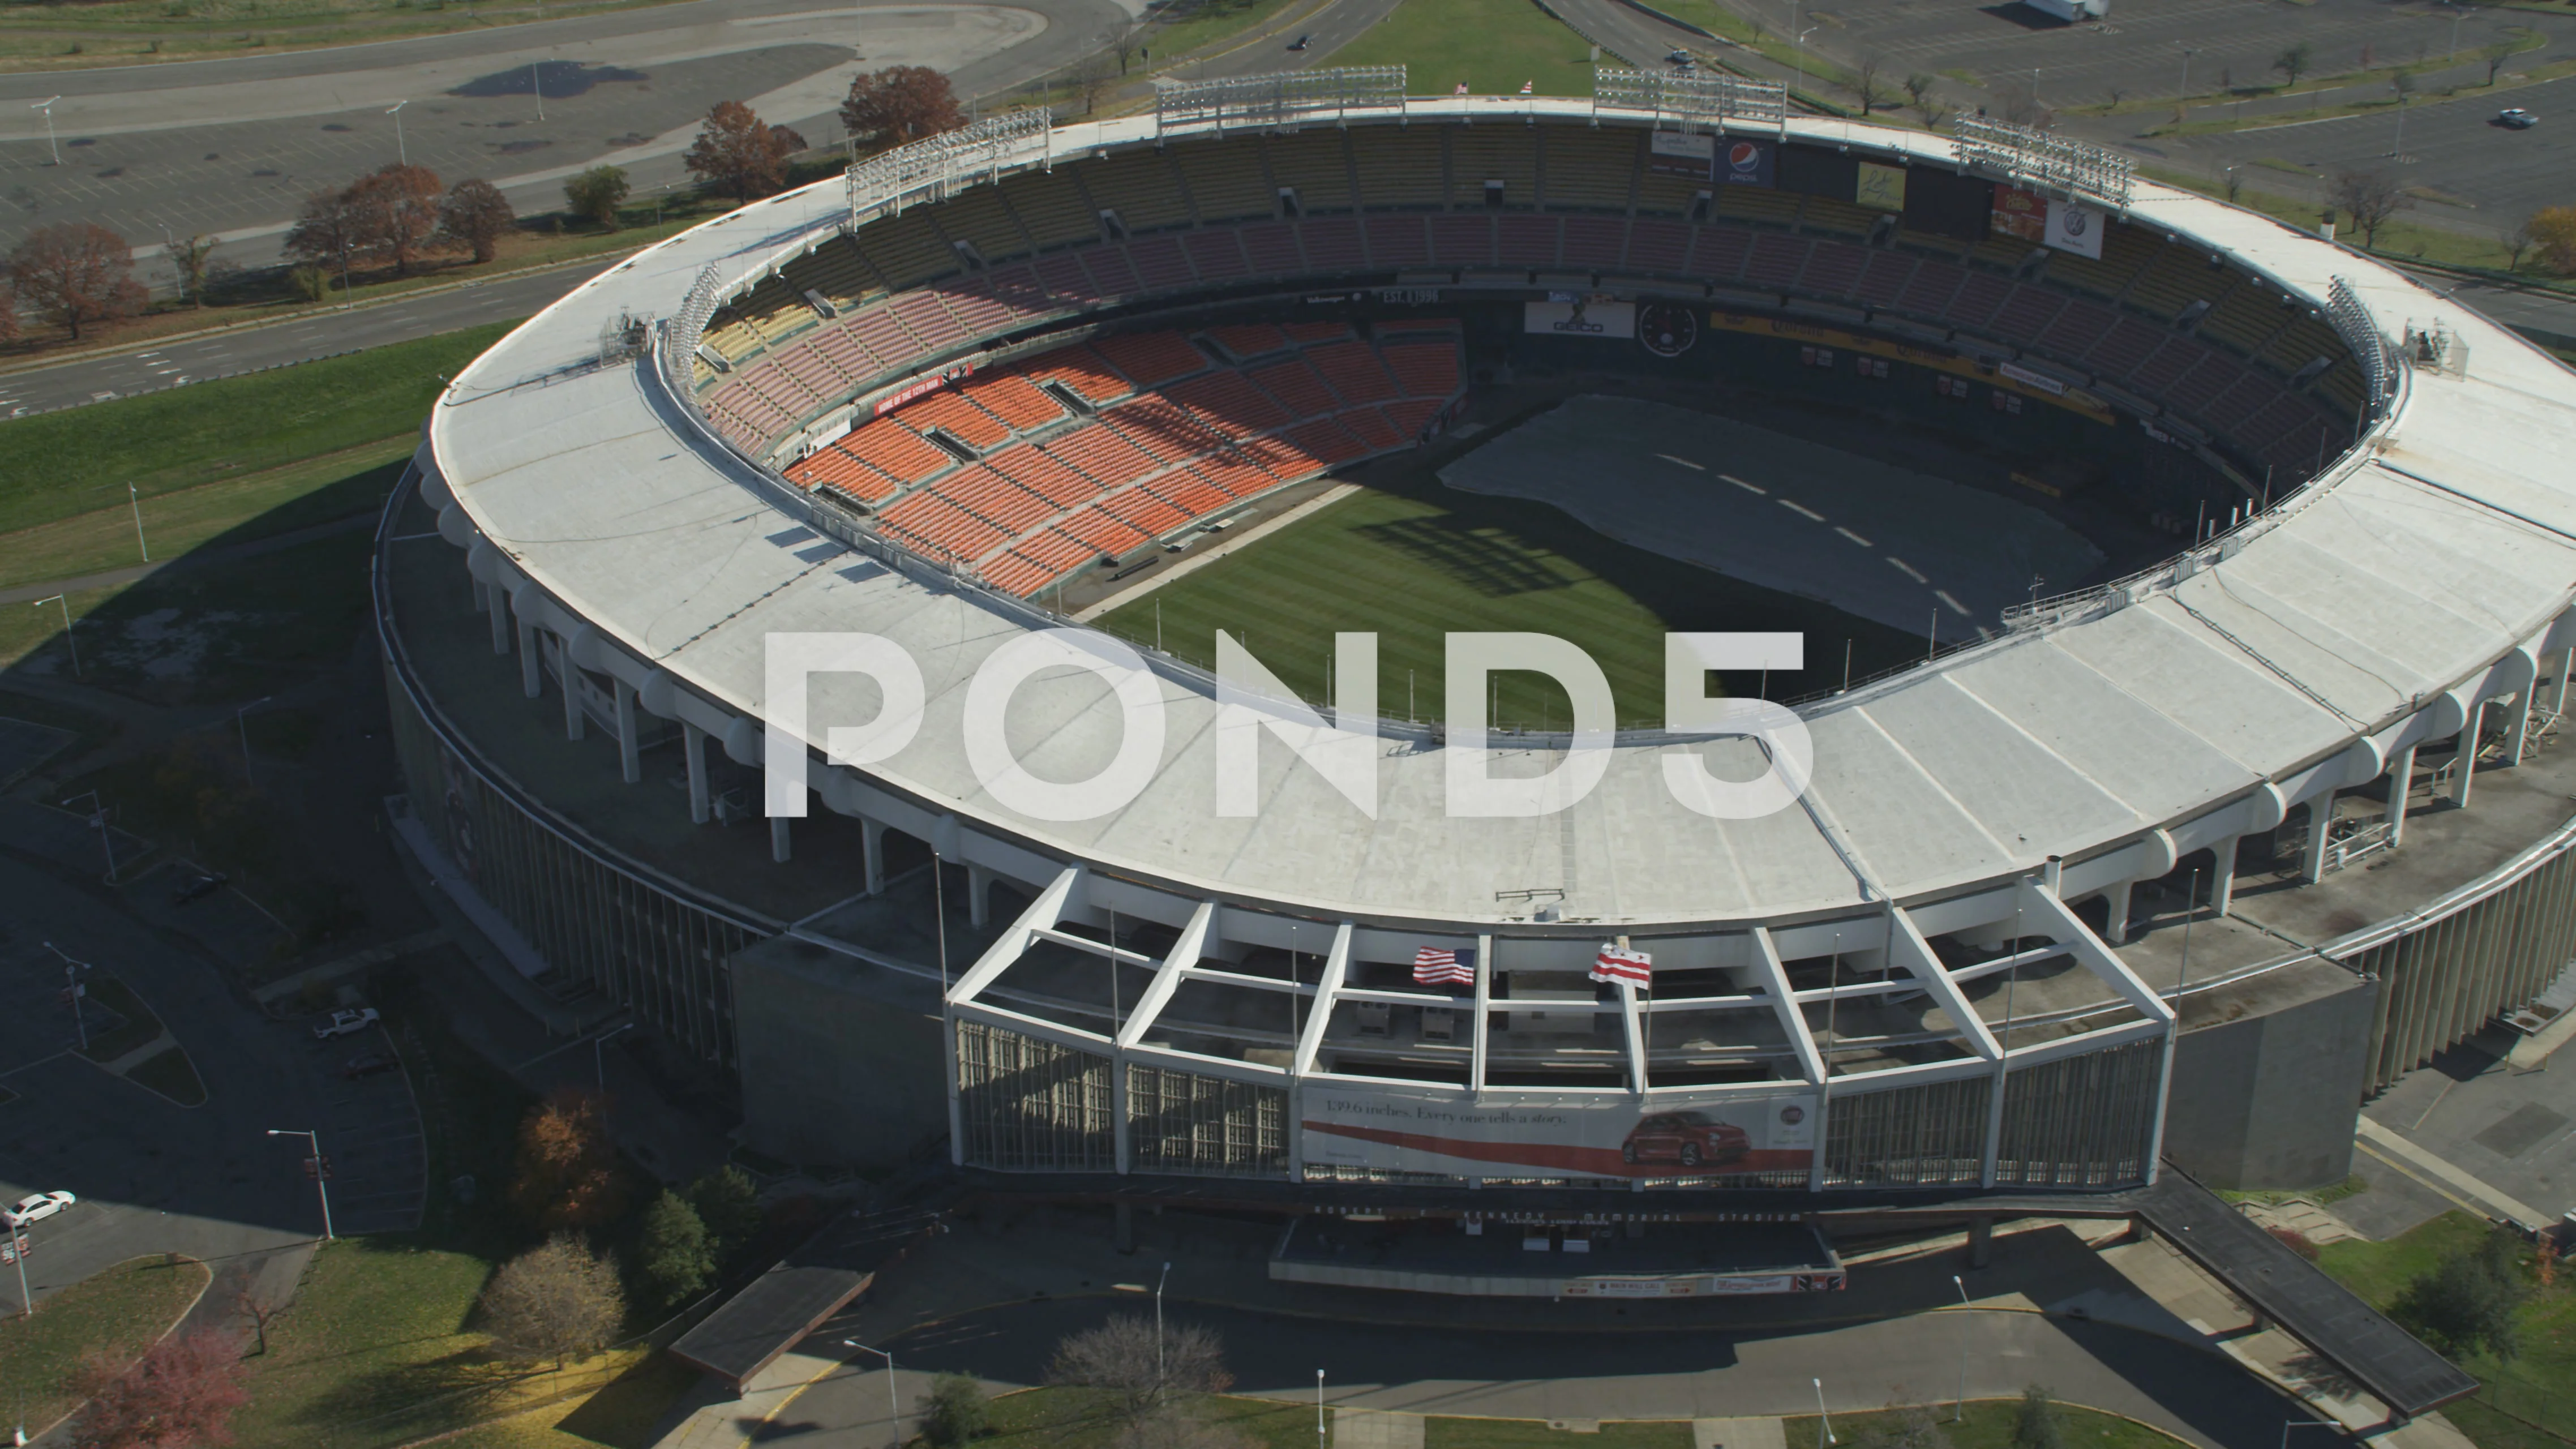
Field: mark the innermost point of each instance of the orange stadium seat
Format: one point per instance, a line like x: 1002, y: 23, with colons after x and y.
x: 895, y: 450
x: 1148, y: 358
x: 1354, y: 371
x: 1081, y: 372
x: 1297, y: 385
x: 1032, y: 468
x: 1230, y: 404
x: 954, y: 414
x: 1253, y: 339
x: 1424, y: 369
x: 1014, y: 399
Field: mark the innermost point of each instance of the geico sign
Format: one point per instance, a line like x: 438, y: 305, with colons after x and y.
x: 1252, y: 701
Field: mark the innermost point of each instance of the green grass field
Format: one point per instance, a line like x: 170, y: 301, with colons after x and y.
x: 80, y: 460
x: 1414, y: 560
x: 2529, y: 1401
x: 1492, y: 45
x: 118, y: 1313
x: 1990, y: 1426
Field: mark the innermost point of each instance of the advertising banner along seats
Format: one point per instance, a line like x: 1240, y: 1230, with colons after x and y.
x: 1583, y: 1134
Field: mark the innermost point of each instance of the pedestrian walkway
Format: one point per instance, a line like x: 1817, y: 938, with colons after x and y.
x: 1738, y: 1434
x: 1376, y: 1429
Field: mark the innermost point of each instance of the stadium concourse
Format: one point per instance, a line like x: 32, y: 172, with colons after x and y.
x: 925, y: 403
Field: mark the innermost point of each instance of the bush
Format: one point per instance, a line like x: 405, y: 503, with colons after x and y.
x: 672, y: 1253
x: 2035, y: 1421
x: 595, y: 195
x: 957, y: 1412
x: 2553, y: 236
x: 2470, y: 1300
x: 728, y: 1202
x: 558, y: 1300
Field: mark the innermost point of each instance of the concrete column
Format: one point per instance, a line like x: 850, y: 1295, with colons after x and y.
x: 2312, y: 867
x: 2401, y: 779
x: 498, y: 605
x: 2566, y: 657
x: 2464, y: 765
x: 532, y: 673
x: 2115, y: 926
x: 569, y: 677
x: 872, y: 847
x: 2222, y: 875
x: 2519, y: 737
x: 1981, y: 1241
x: 979, y: 894
x: 694, y: 741
x: 778, y: 838
x: 630, y: 756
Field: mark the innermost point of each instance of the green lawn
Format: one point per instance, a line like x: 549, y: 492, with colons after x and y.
x: 1492, y: 45
x: 118, y: 1312
x: 1206, y: 23
x: 1082, y: 1419
x: 2537, y: 1388
x: 1990, y: 1426
x: 80, y: 460
x: 1417, y: 564
x: 1447, y: 1433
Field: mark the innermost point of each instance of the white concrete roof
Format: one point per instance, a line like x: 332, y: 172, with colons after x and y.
x: 2343, y: 612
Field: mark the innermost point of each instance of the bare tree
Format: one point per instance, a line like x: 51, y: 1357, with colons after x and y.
x: 1129, y: 41
x: 249, y: 1305
x: 2370, y: 198
x: 2496, y: 52
x: 1865, y: 73
x: 1123, y: 1357
x: 1918, y: 94
x: 558, y: 1300
x: 1091, y: 77
x: 76, y: 273
x: 476, y: 215
x: 2518, y: 240
x: 327, y: 232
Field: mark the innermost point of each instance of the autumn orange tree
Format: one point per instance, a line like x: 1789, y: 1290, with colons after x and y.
x: 901, y: 103
x: 737, y: 152
x: 397, y: 211
x: 476, y: 215
x: 77, y: 273
x: 182, y: 1392
x: 567, y: 1173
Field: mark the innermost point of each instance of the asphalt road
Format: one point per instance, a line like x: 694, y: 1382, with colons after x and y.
x: 1596, y: 1375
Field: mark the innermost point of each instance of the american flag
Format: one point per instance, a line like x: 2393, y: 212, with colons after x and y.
x: 1616, y: 964
x: 1433, y: 967
x: 1527, y: 86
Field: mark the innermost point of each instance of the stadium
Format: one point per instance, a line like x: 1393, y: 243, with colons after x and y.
x: 2138, y: 560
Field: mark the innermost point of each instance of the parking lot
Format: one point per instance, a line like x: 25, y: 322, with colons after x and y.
x: 370, y: 1128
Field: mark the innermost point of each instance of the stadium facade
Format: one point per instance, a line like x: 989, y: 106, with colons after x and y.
x: 920, y: 403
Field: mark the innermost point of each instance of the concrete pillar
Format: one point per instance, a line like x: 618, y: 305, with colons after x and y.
x: 778, y: 838
x: 630, y: 755
x: 1981, y: 1241
x: 694, y: 741
x: 979, y: 896
x: 2222, y: 875
x: 497, y: 604
x: 2464, y: 765
x: 2566, y: 657
x: 2115, y: 925
x: 2312, y: 867
x: 2518, y: 738
x: 872, y: 847
x: 2401, y: 779
x: 570, y: 679
x: 532, y: 674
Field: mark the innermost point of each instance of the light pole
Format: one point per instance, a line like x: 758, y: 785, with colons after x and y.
x: 47, y: 106
x: 98, y: 817
x: 894, y: 1411
x: 321, y: 1172
x: 26, y: 1299
x: 241, y: 720
x: 1319, y: 1409
x: 1961, y: 1412
x: 68, y: 640
x: 1824, y: 1421
x: 402, y: 152
x: 72, y: 989
x: 1159, y: 1369
x: 137, y: 500
x: 599, y: 1057
x: 537, y: 83
x: 2187, y: 54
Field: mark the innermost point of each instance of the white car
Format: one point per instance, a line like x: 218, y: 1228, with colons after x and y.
x: 35, y: 1207
x: 344, y: 1022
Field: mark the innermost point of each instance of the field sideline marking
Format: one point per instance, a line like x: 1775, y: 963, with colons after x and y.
x: 1258, y: 532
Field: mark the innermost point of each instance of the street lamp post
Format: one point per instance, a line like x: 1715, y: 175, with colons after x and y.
x: 1319, y: 1409
x: 599, y: 1057
x: 47, y: 106
x: 402, y: 152
x: 1961, y: 1412
x: 241, y: 720
x: 68, y: 640
x: 137, y: 500
x: 98, y: 817
x: 894, y: 1410
x: 1159, y: 1370
x: 1824, y: 1421
x: 321, y: 1172
x: 72, y: 988
x: 537, y: 83
x: 2187, y: 54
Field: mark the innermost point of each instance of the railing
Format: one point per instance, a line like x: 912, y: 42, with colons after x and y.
x: 1692, y: 101
x: 2369, y: 345
x: 1277, y: 100
x: 935, y: 167
x: 2043, y: 159
x: 685, y: 329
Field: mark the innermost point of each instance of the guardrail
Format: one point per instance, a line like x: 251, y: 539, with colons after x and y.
x: 2370, y: 346
x: 1277, y: 100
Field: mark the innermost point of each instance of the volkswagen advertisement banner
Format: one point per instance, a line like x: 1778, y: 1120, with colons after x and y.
x: 1573, y: 1134
x: 1580, y: 319
x: 2076, y: 229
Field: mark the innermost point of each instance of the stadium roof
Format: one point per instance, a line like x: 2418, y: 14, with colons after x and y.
x: 2404, y: 572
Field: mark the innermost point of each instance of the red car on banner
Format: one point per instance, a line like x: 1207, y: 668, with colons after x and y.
x: 1689, y: 1138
